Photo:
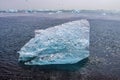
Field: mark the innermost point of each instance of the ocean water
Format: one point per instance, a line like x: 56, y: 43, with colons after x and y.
x: 103, y: 63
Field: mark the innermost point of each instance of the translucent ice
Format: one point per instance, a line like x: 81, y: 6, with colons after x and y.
x: 63, y: 44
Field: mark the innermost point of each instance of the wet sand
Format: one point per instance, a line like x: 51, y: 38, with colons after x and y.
x: 103, y: 63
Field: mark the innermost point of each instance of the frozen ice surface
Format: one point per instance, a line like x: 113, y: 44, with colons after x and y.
x: 63, y: 44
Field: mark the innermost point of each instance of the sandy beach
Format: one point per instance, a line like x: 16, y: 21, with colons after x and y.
x: 16, y: 29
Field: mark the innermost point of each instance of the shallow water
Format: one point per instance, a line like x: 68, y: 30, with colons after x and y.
x: 103, y: 63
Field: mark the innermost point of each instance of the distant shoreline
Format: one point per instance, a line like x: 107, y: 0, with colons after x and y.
x: 65, y: 15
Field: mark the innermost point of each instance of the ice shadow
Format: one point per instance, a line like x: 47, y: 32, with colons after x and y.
x: 58, y: 67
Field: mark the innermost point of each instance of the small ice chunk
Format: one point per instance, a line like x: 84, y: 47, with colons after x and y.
x: 104, y: 14
x: 67, y: 43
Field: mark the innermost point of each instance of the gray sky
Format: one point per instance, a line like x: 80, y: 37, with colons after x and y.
x: 60, y: 4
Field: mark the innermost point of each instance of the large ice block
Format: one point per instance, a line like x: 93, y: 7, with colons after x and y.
x: 67, y: 43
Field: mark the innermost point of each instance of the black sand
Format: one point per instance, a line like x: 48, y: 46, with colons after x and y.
x: 103, y: 63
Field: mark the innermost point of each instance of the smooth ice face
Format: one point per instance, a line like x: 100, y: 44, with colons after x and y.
x: 63, y: 44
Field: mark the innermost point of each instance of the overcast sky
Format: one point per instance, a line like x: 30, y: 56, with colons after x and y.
x: 60, y: 4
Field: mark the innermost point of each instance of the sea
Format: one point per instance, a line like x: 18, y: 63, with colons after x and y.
x: 18, y: 28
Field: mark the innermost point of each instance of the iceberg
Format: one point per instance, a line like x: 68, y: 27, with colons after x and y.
x: 67, y: 43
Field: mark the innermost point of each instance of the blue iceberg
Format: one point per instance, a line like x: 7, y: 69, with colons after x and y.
x: 67, y: 43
